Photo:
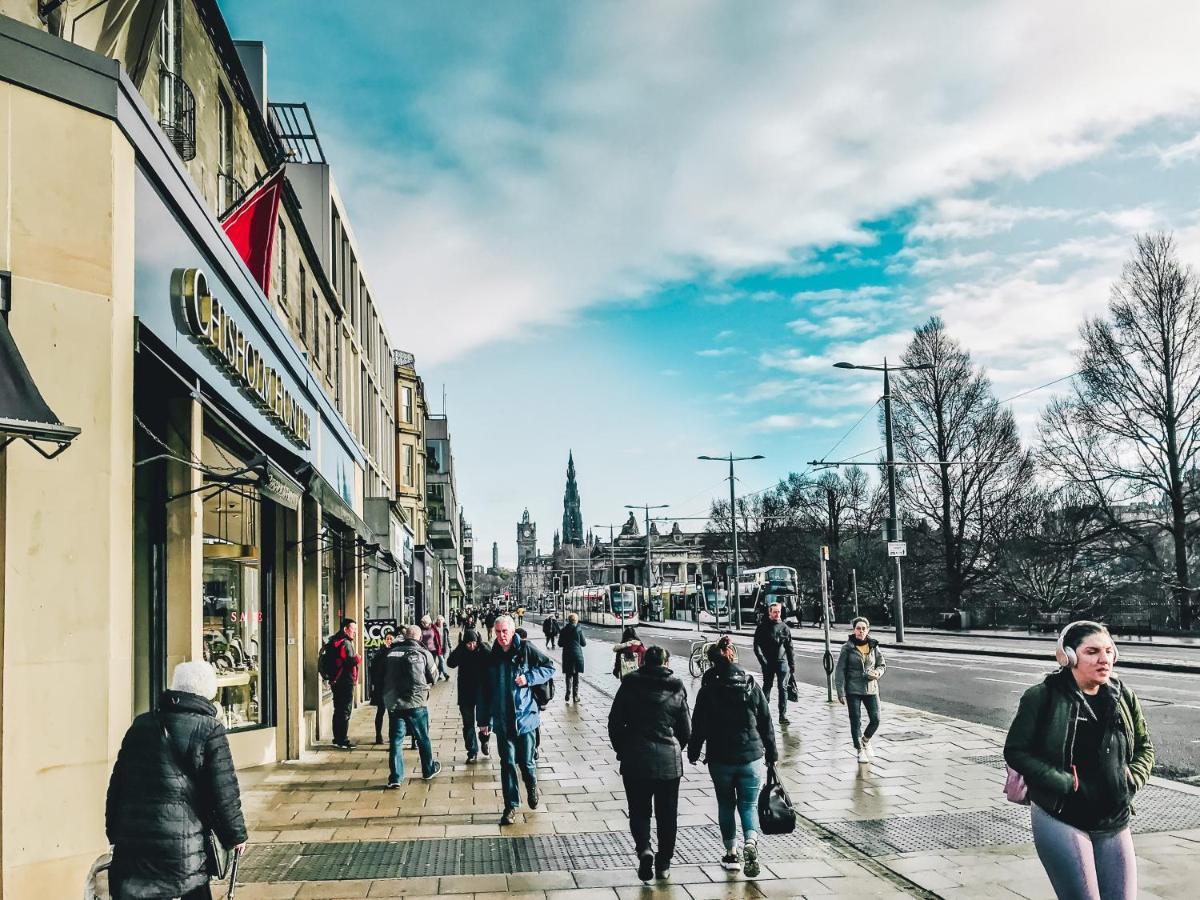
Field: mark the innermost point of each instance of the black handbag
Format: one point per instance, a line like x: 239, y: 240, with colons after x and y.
x: 776, y: 815
x: 793, y: 692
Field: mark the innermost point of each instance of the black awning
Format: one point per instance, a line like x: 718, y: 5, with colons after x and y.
x: 24, y: 413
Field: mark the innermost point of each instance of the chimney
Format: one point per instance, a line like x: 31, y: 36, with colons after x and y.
x: 253, y: 55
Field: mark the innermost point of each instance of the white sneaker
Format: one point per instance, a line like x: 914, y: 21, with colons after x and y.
x: 863, y: 757
x: 868, y: 750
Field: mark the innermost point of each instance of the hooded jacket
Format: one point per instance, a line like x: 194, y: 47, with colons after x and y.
x: 408, y: 674
x: 732, y: 717
x: 858, y: 674
x: 165, y: 792
x: 773, y: 645
x: 648, y: 724
x: 571, y: 642
x: 508, y: 705
x: 1041, y: 746
x: 472, y: 668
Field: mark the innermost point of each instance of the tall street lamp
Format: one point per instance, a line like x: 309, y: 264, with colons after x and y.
x: 893, y: 523
x: 612, y: 563
x: 733, y: 594
x: 646, y: 507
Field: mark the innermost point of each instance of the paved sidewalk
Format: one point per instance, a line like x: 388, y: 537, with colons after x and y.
x: 927, y: 819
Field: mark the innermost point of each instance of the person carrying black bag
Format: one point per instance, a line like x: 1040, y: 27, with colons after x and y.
x: 158, y: 823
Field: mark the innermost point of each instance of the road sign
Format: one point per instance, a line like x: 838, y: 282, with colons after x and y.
x: 897, y: 548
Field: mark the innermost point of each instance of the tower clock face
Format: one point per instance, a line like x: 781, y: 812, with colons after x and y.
x: 528, y: 532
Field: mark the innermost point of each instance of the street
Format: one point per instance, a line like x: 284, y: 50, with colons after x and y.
x: 982, y: 689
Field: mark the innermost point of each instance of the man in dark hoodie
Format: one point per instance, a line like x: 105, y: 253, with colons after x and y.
x: 470, y: 657
x: 648, y: 727
x: 773, y: 647
x: 732, y: 717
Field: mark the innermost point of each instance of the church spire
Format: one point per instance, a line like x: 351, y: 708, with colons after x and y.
x: 572, y: 529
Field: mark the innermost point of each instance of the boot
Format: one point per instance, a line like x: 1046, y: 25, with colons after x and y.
x: 483, y: 744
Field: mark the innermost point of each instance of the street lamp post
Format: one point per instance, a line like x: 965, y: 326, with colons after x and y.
x: 893, y: 524
x: 612, y: 564
x: 734, y: 588
x: 646, y: 507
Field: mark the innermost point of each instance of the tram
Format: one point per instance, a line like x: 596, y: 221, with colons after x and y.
x: 758, y: 588
x: 603, y: 604
x: 681, y: 600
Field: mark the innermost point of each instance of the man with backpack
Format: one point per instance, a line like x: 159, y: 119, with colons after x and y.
x: 550, y: 629
x: 408, y: 674
x: 339, y: 667
x: 515, y: 667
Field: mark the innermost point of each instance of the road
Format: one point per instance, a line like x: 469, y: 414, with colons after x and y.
x: 979, y: 689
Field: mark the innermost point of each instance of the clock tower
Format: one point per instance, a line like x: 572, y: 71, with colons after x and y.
x: 526, y: 541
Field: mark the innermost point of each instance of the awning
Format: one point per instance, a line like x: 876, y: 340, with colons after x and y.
x: 24, y: 413
x: 333, y: 503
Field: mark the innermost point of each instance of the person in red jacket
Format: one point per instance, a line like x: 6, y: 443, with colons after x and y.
x: 431, y: 640
x: 343, y: 662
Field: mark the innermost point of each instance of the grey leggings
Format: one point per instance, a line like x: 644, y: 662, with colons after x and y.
x: 1085, y: 865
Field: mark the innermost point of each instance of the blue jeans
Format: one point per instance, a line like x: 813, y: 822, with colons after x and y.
x: 417, y: 721
x: 516, y: 752
x: 871, y: 702
x: 737, y: 786
x: 771, y: 672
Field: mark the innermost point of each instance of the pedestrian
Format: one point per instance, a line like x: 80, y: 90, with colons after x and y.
x: 514, y: 667
x: 571, y: 641
x: 550, y: 629
x: 1080, y: 742
x: 489, y: 619
x: 629, y: 653
x: 856, y: 677
x: 408, y: 676
x: 173, y: 781
x: 443, y: 646
x: 732, y: 717
x: 773, y: 647
x: 470, y: 657
x: 431, y: 640
x: 648, y: 726
x: 339, y: 666
x: 520, y: 615
x: 378, y: 667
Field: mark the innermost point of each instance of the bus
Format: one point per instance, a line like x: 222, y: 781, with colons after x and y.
x: 603, y: 604
x: 760, y: 587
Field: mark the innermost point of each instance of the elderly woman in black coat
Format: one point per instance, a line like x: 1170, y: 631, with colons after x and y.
x: 571, y: 641
x: 648, y: 727
x: 173, y: 780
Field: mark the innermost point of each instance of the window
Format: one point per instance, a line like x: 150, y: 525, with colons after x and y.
x: 316, y: 333
x: 406, y: 407
x: 282, y: 279
x: 333, y: 250
x: 337, y: 370
x: 303, y: 305
x: 328, y: 345
x: 227, y: 192
x: 170, y: 35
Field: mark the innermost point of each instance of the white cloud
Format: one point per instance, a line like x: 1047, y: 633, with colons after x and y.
x: 724, y: 334
x: 957, y: 218
x: 688, y: 142
x: 1181, y: 152
x: 718, y: 351
x: 797, y: 421
x: 834, y: 326
x: 943, y: 262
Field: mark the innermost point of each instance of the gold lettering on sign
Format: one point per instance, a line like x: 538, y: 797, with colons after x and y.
x: 212, y: 326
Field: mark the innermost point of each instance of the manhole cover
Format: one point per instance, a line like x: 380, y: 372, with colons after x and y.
x: 905, y: 736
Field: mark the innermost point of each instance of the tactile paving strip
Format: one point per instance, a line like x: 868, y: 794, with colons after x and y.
x: 487, y: 856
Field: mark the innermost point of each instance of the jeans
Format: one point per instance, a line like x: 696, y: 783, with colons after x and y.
x: 472, y: 721
x: 343, y: 700
x: 441, y: 661
x: 417, y: 721
x: 516, y: 753
x: 664, y: 792
x: 1083, y: 865
x: 737, y: 786
x: 871, y: 702
x: 771, y: 672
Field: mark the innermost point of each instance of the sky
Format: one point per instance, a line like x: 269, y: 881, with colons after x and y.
x: 644, y: 231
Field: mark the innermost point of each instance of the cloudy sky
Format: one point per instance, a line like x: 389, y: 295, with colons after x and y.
x: 644, y: 231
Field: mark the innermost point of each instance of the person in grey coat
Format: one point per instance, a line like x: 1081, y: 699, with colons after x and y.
x: 409, y: 671
x: 856, y: 677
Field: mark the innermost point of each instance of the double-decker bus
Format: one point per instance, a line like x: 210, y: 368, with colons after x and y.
x: 758, y: 588
x: 604, y: 604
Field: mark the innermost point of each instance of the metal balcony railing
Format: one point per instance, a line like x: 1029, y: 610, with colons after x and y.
x: 229, y: 191
x: 404, y: 359
x: 177, y: 113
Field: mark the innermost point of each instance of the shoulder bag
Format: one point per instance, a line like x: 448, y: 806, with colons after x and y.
x: 776, y: 815
x: 1015, y: 788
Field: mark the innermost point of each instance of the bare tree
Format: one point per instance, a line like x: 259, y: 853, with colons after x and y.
x: 972, y: 475
x: 1129, y: 433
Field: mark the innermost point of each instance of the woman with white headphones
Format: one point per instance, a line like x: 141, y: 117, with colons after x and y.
x: 1079, y: 743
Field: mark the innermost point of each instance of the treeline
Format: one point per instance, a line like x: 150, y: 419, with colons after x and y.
x: 1098, y: 517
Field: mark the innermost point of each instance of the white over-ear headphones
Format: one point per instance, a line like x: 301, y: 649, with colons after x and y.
x: 1067, y: 655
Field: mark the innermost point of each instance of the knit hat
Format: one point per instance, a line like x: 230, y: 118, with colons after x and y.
x: 198, y: 678
x: 469, y: 636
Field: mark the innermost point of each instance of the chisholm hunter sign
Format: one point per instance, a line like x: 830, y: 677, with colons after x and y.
x: 210, y: 323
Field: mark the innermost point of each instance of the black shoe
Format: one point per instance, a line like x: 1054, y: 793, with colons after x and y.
x: 344, y: 745
x: 534, y: 795
x: 379, y: 738
x: 510, y: 815
x: 783, y: 720
x: 662, y: 872
x: 486, y: 751
x: 392, y: 785
x: 437, y: 768
x: 645, y: 866
x: 471, y: 757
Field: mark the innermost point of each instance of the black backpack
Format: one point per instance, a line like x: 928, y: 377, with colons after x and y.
x: 329, y: 663
x: 542, y: 693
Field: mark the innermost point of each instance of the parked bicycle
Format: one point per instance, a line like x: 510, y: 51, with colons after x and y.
x: 698, y: 661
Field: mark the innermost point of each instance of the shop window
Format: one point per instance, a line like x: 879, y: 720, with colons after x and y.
x: 236, y: 624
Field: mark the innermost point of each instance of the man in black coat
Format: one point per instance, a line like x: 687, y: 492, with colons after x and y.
x: 648, y: 726
x: 550, y: 629
x: 471, y: 657
x: 154, y: 818
x: 773, y: 647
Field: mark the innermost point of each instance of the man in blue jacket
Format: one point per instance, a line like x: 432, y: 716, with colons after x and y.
x: 514, y: 667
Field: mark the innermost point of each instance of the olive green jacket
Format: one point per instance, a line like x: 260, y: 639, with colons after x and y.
x: 1041, y: 740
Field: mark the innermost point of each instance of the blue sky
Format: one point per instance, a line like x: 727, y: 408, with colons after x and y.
x: 644, y: 231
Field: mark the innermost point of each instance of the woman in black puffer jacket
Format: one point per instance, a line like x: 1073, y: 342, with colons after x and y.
x: 174, y: 780
x: 733, y: 718
x: 647, y: 727
x: 571, y: 641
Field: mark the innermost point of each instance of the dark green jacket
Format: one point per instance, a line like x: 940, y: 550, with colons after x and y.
x: 1041, y: 740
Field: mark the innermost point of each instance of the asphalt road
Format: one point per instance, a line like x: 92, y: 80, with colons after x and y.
x: 980, y: 689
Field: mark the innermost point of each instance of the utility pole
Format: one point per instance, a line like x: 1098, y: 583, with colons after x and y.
x: 734, y: 592
x: 646, y: 507
x: 854, y: 589
x: 612, y: 564
x: 827, y: 660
